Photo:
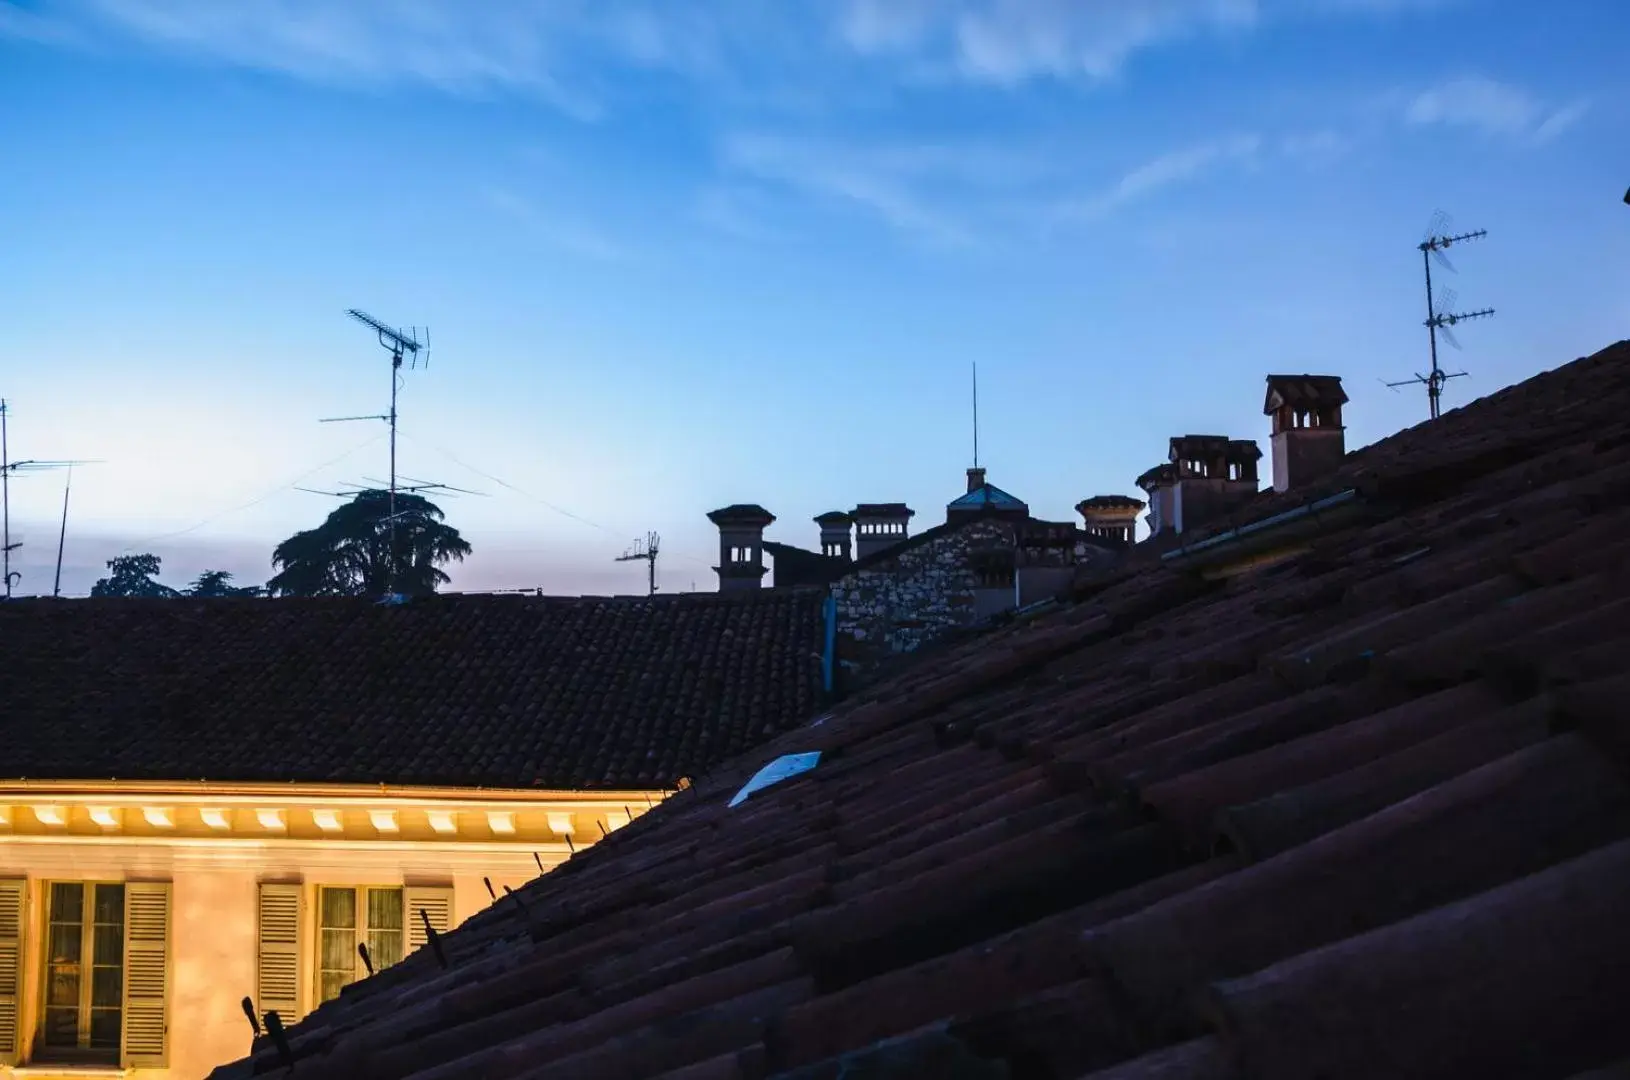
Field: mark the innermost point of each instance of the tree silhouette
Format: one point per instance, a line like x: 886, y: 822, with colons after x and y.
x: 132, y: 575
x: 213, y: 583
x: 350, y: 553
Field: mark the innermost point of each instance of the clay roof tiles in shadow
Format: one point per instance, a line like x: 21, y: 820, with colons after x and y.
x: 504, y: 691
x: 1362, y: 812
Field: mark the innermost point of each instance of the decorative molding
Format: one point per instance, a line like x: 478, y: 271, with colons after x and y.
x: 270, y: 814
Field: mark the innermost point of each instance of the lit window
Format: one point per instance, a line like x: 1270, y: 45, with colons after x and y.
x: 84, y: 975
x: 348, y: 917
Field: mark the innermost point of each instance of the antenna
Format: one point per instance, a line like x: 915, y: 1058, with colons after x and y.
x: 1439, y: 314
x: 976, y: 414
x: 647, y: 552
x: 398, y: 344
x: 7, y: 468
x: 62, y: 534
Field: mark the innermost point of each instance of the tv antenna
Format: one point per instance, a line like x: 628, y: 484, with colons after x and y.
x: 645, y: 550
x: 8, y: 468
x: 1440, y: 315
x: 399, y: 345
x: 976, y: 414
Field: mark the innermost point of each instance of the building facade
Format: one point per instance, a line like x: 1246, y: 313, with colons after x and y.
x: 213, y: 807
x: 136, y: 919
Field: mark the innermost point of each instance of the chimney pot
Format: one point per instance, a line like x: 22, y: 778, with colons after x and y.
x: 879, y: 526
x: 1309, y: 441
x: 741, y: 545
x: 976, y: 478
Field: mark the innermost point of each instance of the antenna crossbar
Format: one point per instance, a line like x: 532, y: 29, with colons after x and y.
x: 645, y: 551
x: 1438, y: 318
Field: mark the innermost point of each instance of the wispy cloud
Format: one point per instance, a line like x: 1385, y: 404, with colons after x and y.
x: 508, y: 47
x: 1167, y: 170
x: 573, y: 237
x: 1008, y: 41
x: 923, y: 189
x: 791, y: 51
x: 1493, y: 108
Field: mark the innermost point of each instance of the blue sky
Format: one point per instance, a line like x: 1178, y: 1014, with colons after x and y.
x: 678, y: 255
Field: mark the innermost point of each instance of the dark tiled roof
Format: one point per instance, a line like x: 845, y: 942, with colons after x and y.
x: 834, y: 517
x: 1303, y: 391
x: 1361, y: 813
x: 464, y: 690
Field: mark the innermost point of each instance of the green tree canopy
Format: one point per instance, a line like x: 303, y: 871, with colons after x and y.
x: 219, y: 583
x: 350, y: 553
x: 132, y: 575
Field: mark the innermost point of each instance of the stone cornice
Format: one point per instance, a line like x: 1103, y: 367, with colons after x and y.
x: 313, y: 813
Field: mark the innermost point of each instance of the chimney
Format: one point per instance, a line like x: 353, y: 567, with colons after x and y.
x: 741, y: 545
x: 879, y: 526
x: 1111, y: 517
x: 1160, y: 483
x: 835, y: 534
x: 1214, y: 475
x: 1309, y: 441
x: 976, y: 478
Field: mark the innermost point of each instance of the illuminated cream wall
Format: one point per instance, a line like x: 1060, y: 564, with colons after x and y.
x: 217, y: 844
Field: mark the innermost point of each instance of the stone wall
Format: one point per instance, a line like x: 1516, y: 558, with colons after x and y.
x: 899, y: 604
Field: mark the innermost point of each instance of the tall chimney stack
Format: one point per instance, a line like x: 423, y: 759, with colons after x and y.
x: 1111, y: 517
x: 1309, y: 441
x: 835, y: 533
x: 879, y: 526
x: 741, y: 546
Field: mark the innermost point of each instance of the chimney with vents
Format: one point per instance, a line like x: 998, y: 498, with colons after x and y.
x: 1212, y: 475
x: 879, y: 526
x: 1111, y: 517
x: 1309, y: 441
x: 741, y: 545
x: 835, y: 531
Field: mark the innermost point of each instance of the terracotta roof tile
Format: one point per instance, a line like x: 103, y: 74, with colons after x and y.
x: 471, y: 690
x: 1363, y: 811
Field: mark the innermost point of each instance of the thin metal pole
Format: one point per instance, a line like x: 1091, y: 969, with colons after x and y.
x: 1434, y: 382
x: 62, y: 536
x: 976, y: 414
x: 5, y: 497
x: 396, y: 364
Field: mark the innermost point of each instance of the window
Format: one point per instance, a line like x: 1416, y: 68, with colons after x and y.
x: 84, y: 973
x: 346, y: 918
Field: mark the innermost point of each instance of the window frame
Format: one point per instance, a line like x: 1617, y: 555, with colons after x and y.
x: 359, y: 933
x: 39, y: 1052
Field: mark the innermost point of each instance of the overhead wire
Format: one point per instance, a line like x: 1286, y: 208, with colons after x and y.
x: 456, y: 460
x: 260, y: 498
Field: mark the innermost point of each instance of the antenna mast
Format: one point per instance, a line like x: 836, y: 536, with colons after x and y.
x: 648, y: 553
x: 976, y: 414
x: 1439, y: 316
x: 398, y: 344
x: 7, y: 467
x: 62, y: 535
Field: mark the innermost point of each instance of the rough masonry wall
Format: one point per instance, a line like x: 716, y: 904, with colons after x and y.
x: 899, y: 604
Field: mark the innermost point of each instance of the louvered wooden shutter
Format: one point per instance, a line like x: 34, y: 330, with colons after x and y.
x: 147, y: 974
x: 12, y: 892
x: 436, y: 901
x: 277, y: 982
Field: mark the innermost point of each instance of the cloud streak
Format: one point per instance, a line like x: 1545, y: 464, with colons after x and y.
x: 559, y: 50
x: 1493, y: 109
x: 574, y: 238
